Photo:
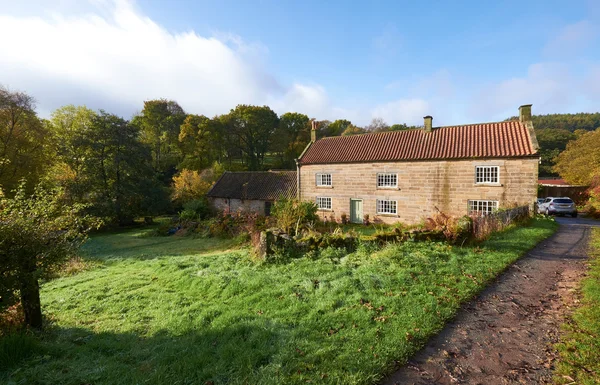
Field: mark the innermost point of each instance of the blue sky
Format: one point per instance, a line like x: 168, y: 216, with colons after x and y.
x: 461, y: 62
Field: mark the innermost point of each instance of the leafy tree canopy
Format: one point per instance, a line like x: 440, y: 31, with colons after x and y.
x: 23, y: 140
x: 38, y: 232
x: 580, y: 162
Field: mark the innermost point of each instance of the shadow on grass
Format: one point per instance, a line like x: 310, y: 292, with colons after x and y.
x: 212, y: 356
x: 136, y: 246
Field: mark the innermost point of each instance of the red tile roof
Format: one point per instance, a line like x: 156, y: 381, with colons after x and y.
x: 487, y: 140
x: 553, y: 182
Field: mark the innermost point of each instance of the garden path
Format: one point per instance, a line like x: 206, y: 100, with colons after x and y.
x: 505, y: 336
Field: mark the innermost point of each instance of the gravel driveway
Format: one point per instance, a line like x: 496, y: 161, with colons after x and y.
x: 505, y: 336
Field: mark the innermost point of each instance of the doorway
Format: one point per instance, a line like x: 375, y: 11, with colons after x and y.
x: 356, y: 210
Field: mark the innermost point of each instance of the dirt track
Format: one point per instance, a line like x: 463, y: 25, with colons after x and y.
x: 505, y: 335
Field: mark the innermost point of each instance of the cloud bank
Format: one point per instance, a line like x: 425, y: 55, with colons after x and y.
x: 118, y: 60
x: 114, y: 57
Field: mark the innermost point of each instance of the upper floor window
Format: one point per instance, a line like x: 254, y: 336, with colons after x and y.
x: 387, y: 180
x: 387, y: 207
x: 323, y: 179
x: 482, y: 207
x: 324, y: 203
x: 487, y: 174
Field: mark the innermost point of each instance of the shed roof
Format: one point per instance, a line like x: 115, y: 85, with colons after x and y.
x: 255, y: 185
x: 485, y: 140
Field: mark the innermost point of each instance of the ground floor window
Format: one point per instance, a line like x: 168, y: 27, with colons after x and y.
x: 482, y: 207
x: 387, y: 207
x: 324, y: 203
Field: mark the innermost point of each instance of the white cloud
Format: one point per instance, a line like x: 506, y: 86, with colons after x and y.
x: 410, y: 111
x: 115, y: 58
x: 571, y: 39
x: 549, y: 86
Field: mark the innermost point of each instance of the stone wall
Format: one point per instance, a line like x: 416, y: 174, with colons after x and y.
x: 235, y: 205
x: 422, y: 186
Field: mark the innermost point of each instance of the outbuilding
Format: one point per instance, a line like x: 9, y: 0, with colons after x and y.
x: 252, y: 191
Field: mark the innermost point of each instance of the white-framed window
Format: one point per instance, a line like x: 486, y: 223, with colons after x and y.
x: 487, y: 174
x: 482, y: 207
x: 324, y: 203
x: 387, y: 180
x: 387, y: 207
x: 324, y: 179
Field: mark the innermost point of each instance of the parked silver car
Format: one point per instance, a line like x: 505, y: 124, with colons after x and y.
x: 558, y: 206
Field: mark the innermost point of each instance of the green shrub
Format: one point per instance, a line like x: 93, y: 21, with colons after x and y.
x: 195, y: 210
x: 15, y: 348
x: 292, y: 215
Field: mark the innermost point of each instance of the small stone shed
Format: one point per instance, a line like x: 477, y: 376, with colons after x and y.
x: 252, y: 191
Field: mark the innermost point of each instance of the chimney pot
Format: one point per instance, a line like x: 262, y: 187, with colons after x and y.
x: 525, y: 113
x: 428, y: 121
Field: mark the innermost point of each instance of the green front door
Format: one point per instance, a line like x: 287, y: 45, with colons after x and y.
x: 356, y: 211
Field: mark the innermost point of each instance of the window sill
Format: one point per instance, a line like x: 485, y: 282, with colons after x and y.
x: 387, y: 188
x: 387, y: 215
x: 488, y: 184
x: 324, y: 209
x: 324, y: 186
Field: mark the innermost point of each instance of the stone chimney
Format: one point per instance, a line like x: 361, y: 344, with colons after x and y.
x: 428, y: 121
x: 525, y: 113
x: 313, y: 131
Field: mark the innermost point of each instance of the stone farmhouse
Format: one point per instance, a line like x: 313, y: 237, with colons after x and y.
x: 408, y: 175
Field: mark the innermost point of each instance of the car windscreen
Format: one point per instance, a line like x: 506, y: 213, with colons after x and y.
x: 563, y: 201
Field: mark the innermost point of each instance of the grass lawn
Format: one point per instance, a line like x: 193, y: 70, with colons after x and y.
x: 579, y: 348
x: 176, y: 311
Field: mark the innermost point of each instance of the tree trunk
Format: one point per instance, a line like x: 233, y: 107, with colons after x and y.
x: 30, y: 300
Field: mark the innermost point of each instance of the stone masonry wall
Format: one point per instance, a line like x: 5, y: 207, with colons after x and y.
x: 235, y: 205
x: 422, y: 186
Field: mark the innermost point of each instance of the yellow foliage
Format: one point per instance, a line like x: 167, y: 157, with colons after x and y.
x: 580, y: 162
x: 189, y: 185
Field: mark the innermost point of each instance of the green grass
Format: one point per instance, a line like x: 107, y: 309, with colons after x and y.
x: 167, y: 310
x: 579, y: 348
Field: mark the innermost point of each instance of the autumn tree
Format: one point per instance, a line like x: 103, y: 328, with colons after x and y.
x: 37, y: 233
x: 159, y: 124
x: 23, y: 139
x: 580, y: 162
x: 353, y: 130
x: 190, y: 184
x: 552, y: 142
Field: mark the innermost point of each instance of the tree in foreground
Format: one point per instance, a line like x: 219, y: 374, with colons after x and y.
x: 37, y: 234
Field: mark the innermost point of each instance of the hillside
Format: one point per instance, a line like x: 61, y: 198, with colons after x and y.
x: 554, y: 131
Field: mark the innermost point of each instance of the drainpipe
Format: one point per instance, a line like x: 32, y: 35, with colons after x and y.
x: 297, y: 178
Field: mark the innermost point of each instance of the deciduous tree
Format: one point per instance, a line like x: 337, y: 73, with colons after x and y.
x: 23, y: 140
x: 253, y: 128
x: 159, y: 124
x: 37, y: 233
x: 580, y: 162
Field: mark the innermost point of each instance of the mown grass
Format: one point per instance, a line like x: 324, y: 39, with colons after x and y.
x: 158, y: 311
x: 579, y: 348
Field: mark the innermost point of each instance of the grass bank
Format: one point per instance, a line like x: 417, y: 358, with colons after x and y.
x: 579, y: 349
x: 178, y: 311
